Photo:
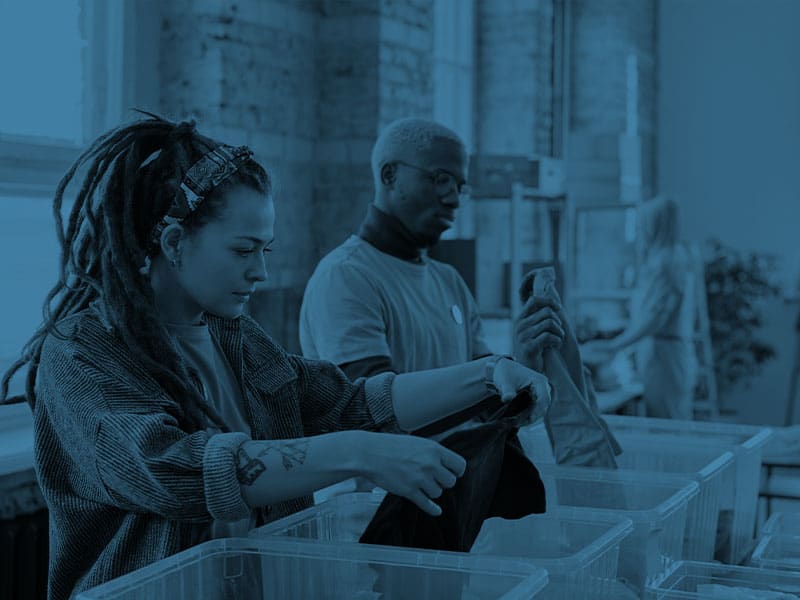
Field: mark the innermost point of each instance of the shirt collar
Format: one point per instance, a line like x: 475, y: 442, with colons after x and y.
x: 388, y: 234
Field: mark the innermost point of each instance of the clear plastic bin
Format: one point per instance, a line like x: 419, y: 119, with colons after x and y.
x: 709, y: 466
x: 781, y: 523
x: 340, y: 519
x: 777, y: 552
x: 277, y: 569
x: 710, y: 581
x: 654, y: 502
x: 739, y: 500
x: 579, y: 553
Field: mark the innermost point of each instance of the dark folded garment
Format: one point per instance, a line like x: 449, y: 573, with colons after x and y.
x: 499, y: 481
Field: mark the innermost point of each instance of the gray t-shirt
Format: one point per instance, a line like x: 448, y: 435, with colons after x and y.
x: 220, y: 383
x: 361, y: 302
x: 222, y: 391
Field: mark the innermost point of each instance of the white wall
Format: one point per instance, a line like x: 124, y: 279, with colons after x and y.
x: 729, y: 145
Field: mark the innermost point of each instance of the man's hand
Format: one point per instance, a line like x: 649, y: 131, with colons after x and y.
x: 510, y: 378
x: 538, y: 326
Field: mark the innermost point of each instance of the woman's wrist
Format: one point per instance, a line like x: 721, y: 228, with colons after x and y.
x: 357, y: 454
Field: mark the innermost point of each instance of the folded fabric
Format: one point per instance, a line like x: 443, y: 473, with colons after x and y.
x: 578, y: 434
x: 499, y: 481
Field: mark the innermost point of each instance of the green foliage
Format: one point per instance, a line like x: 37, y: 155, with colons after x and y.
x: 737, y: 283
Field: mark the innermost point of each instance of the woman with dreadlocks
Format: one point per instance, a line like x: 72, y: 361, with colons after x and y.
x: 162, y: 415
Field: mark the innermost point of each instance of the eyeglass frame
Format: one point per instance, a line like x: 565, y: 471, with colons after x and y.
x: 462, y: 188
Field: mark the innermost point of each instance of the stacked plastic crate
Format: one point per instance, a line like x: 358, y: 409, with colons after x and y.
x: 267, y: 569
x: 703, y: 581
x: 606, y: 534
x: 711, y: 468
x: 656, y: 504
x: 739, y: 497
x: 779, y: 546
x: 580, y: 554
x: 689, y: 579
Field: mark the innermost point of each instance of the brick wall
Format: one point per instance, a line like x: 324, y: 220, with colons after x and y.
x: 514, y: 117
x: 347, y: 75
x: 246, y: 71
x: 406, y: 53
x: 373, y: 66
x: 514, y: 77
x: 307, y: 84
x: 310, y: 83
x: 604, y: 35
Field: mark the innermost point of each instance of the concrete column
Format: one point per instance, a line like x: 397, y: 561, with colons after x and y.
x: 613, y: 95
x: 514, y: 77
x: 373, y: 65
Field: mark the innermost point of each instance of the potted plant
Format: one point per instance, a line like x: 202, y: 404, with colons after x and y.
x: 737, y: 284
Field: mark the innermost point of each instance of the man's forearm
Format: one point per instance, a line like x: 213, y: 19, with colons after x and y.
x: 423, y: 397
x: 275, y: 470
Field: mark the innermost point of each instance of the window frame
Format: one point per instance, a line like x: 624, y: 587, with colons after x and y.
x: 118, y: 62
x: 120, y: 65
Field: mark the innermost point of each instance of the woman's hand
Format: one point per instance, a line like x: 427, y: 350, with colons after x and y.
x: 510, y: 378
x: 414, y: 467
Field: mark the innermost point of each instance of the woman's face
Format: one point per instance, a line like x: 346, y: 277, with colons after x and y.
x: 222, y: 261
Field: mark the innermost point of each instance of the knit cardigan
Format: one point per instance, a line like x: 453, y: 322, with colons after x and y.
x: 125, y: 485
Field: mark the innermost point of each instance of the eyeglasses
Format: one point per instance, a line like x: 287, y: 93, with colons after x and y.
x: 443, y: 181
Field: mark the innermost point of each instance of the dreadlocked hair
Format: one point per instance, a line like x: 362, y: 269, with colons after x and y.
x: 131, y: 176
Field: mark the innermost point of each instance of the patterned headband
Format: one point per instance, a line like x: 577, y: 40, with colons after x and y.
x: 200, y: 180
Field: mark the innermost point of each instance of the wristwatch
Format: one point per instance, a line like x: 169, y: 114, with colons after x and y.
x: 489, y: 376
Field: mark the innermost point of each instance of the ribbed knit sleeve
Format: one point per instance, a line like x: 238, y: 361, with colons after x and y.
x: 378, y: 392
x: 223, y: 491
x: 329, y: 401
x: 128, y: 450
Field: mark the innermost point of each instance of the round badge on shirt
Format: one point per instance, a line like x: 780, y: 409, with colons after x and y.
x: 457, y: 316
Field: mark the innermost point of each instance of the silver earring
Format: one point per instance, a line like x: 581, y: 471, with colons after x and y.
x: 145, y: 268
x: 174, y: 263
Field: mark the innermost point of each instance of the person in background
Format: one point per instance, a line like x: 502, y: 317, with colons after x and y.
x: 162, y: 415
x: 377, y: 303
x: 662, y: 315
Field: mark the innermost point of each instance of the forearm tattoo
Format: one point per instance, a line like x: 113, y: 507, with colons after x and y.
x: 248, y: 468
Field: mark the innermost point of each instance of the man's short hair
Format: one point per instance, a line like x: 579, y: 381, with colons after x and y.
x: 408, y: 140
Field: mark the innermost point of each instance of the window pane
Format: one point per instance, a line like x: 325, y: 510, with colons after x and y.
x: 40, y: 62
x: 28, y: 269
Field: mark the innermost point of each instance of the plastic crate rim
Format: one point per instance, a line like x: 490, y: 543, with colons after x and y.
x: 655, y: 590
x: 768, y: 541
x: 619, y: 528
x: 530, y: 574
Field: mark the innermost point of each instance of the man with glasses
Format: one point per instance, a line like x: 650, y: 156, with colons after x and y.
x: 377, y: 302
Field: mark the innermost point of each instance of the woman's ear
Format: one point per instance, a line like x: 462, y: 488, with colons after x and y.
x: 172, y: 238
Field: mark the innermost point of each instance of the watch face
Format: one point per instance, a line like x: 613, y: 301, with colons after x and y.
x: 457, y: 316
